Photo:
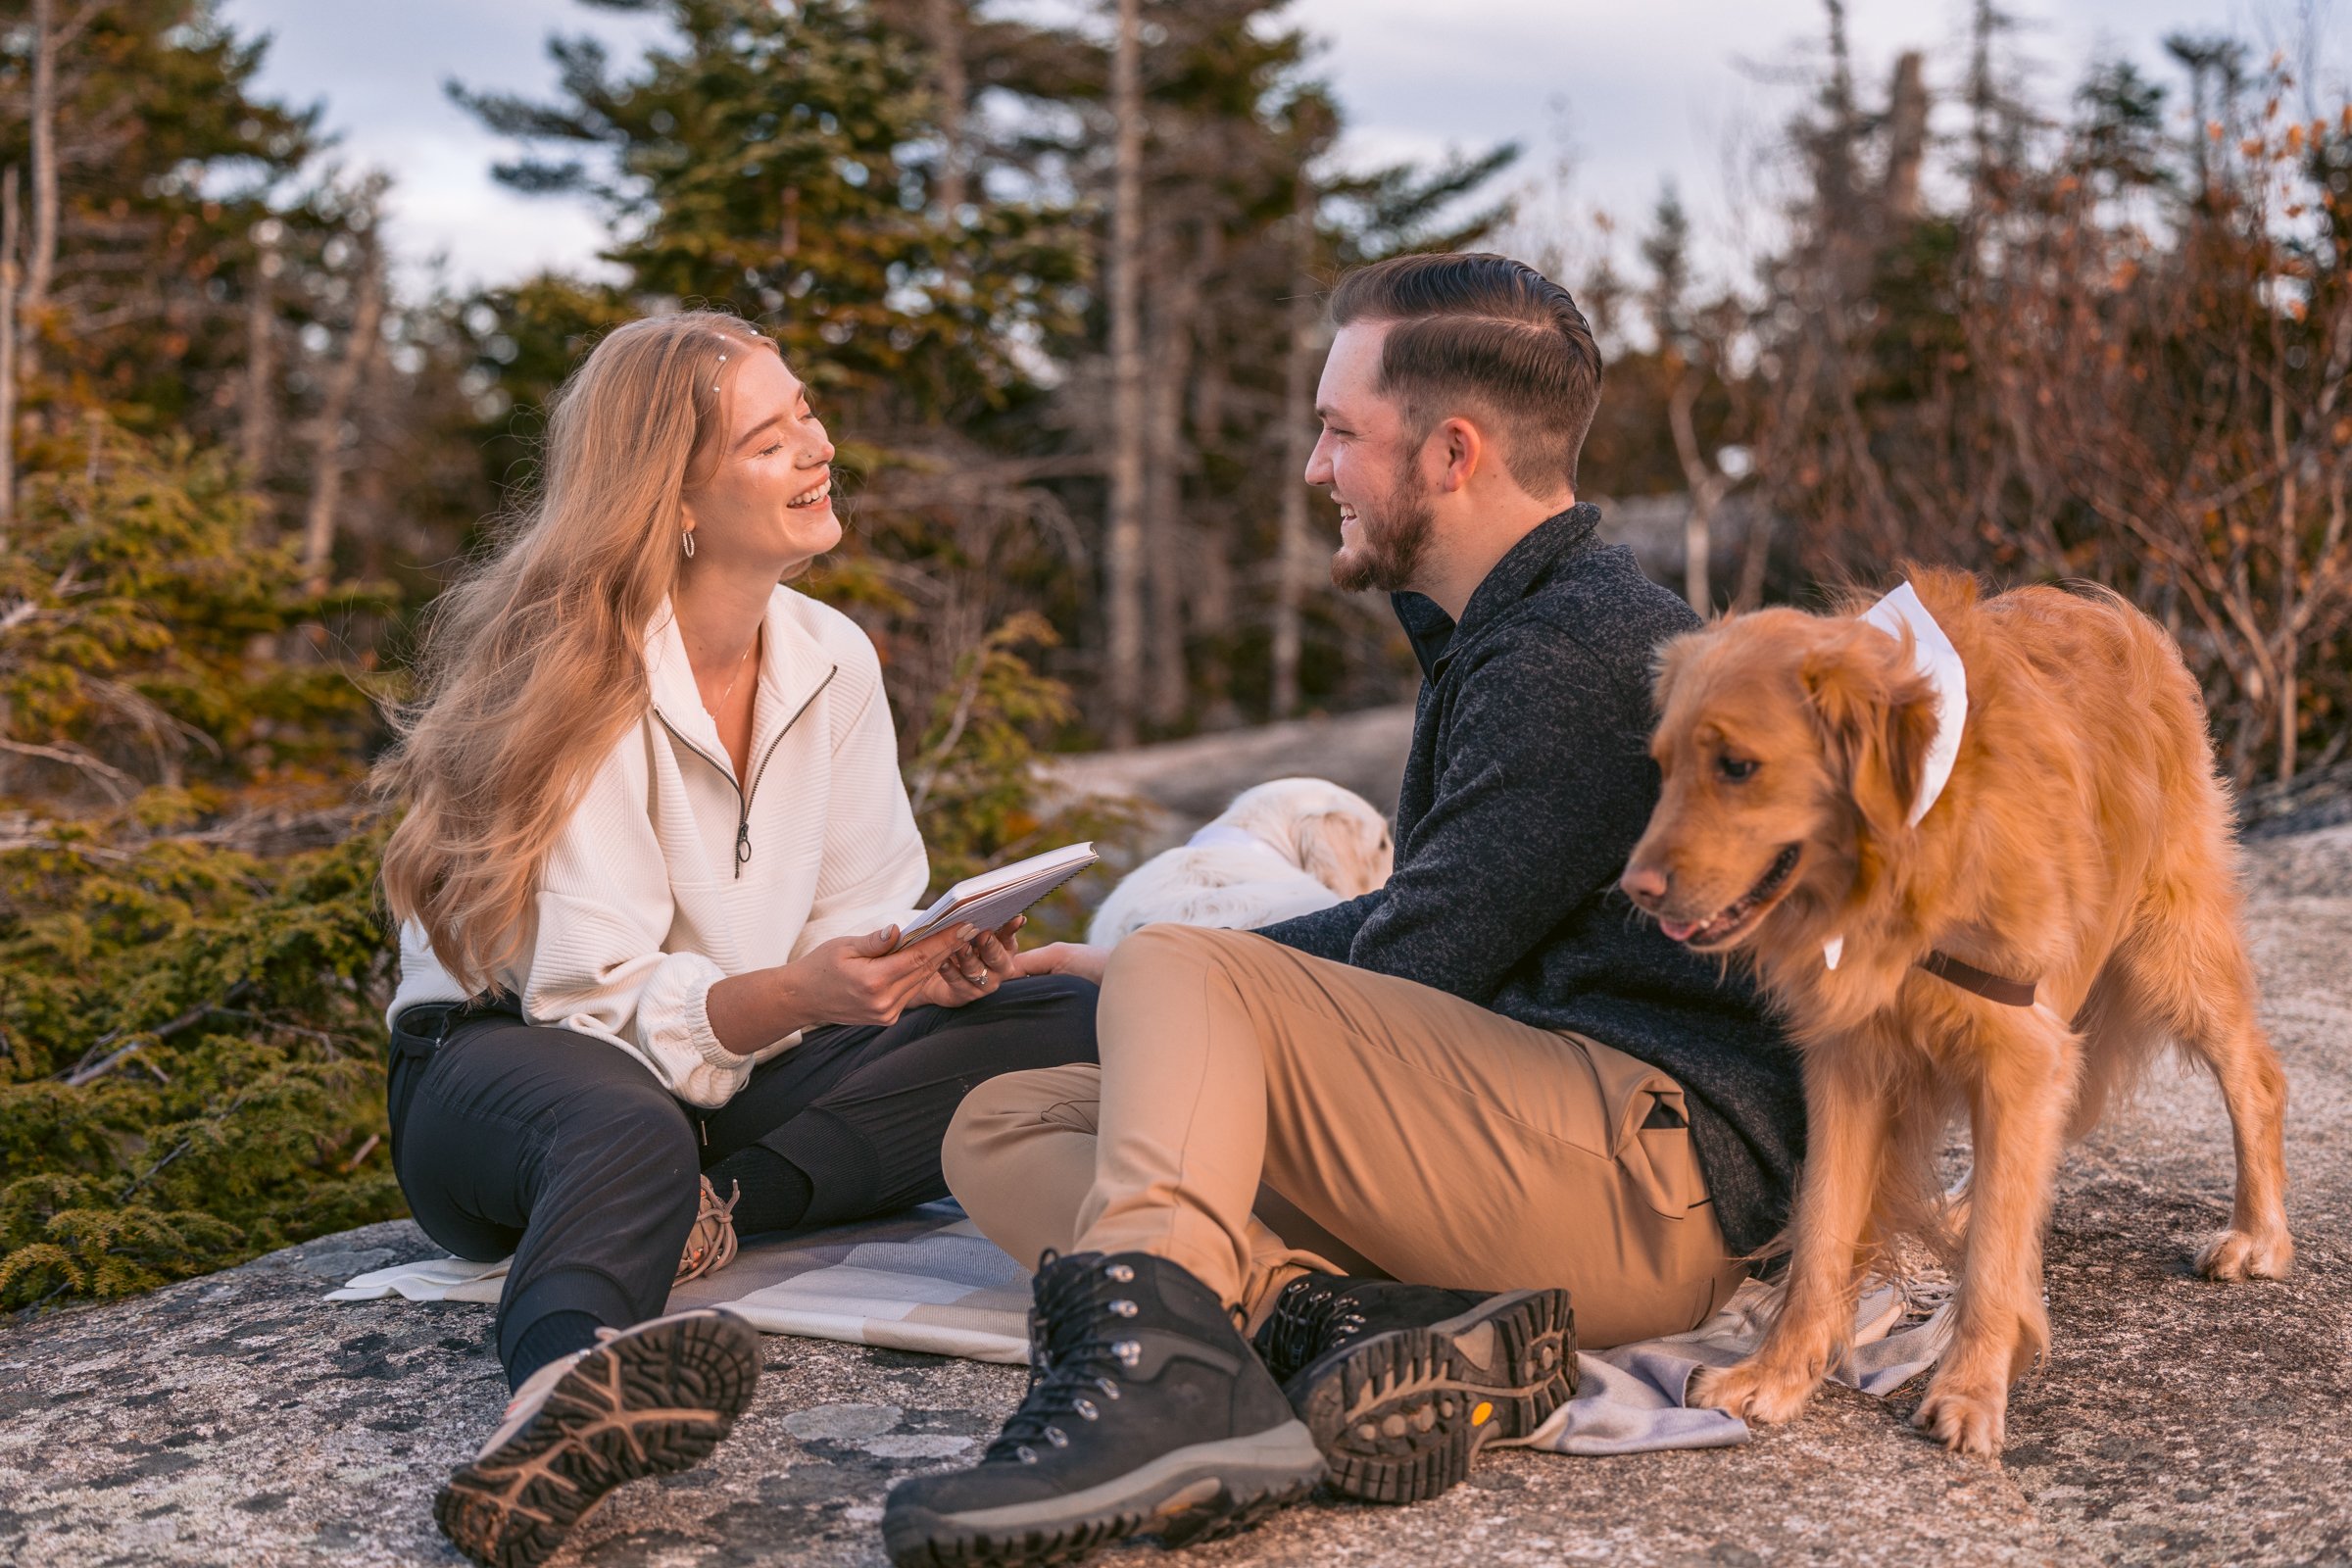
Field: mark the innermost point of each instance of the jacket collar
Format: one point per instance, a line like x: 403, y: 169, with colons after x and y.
x: 792, y: 665
x: 1523, y: 568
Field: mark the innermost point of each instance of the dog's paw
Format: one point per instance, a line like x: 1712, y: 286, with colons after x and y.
x: 1967, y: 1420
x: 1752, y: 1391
x: 2238, y: 1256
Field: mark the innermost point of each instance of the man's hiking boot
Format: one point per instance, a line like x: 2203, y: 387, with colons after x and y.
x: 645, y: 1402
x: 1403, y: 1384
x: 1148, y: 1414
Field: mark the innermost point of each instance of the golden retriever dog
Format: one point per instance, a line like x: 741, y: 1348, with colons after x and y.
x: 1287, y: 847
x: 2017, y: 953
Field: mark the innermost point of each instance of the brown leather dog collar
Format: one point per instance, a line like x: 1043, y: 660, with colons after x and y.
x: 1984, y: 982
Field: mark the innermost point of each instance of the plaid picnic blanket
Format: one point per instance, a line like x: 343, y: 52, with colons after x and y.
x: 929, y: 1280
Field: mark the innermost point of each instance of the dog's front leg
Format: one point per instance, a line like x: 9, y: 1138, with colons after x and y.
x: 1845, y: 1151
x: 2017, y: 1111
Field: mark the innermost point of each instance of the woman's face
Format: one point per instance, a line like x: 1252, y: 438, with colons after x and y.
x: 768, y: 507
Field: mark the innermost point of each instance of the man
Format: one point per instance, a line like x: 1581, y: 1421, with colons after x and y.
x: 1488, y: 1077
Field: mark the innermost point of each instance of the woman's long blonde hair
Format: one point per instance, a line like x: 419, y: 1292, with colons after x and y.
x: 534, y: 663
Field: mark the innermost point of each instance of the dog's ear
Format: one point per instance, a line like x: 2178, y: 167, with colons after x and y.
x: 1667, y: 664
x: 1876, y: 714
x: 1347, y: 852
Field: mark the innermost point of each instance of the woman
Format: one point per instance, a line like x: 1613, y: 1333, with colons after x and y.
x: 655, y: 855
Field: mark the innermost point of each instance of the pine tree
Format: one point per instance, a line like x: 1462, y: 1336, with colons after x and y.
x: 191, y: 952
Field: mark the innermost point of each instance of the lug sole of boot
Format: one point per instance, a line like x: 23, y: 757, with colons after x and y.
x: 1401, y: 1416
x: 646, y: 1405
x: 1211, y: 1493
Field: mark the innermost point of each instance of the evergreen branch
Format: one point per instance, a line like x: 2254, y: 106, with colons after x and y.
x: 116, y: 782
x: 183, y: 1146
x: 92, y: 1067
x: 937, y: 758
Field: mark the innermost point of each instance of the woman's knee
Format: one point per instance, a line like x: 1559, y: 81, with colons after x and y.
x: 1056, y: 1028
x: 633, y: 1138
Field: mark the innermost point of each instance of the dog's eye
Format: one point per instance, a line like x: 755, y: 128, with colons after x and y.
x: 1734, y: 769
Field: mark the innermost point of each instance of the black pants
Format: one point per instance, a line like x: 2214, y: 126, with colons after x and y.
x: 567, y: 1153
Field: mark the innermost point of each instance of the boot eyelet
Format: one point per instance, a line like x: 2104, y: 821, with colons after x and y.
x: 1026, y: 1453
x: 1111, y: 1389
x: 1087, y: 1408
x: 1122, y: 1307
x: 1057, y: 1437
x: 1120, y: 1272
x: 1129, y: 1352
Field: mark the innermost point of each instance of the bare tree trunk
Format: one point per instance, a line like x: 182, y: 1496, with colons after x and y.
x: 1754, y: 556
x: 8, y: 355
x: 1210, y: 592
x: 343, y: 383
x: 1165, y: 544
x: 1123, y: 543
x: 1298, y: 447
x: 1706, y: 489
x: 943, y: 22
x: 2290, y: 560
x: 41, y: 264
x: 258, y: 429
x: 1906, y: 140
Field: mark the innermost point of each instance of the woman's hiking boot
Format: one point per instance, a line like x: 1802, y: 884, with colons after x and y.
x: 645, y: 1402
x: 1148, y: 1414
x: 710, y: 1246
x: 1404, y: 1385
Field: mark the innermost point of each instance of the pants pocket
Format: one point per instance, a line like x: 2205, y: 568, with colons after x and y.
x: 1649, y: 1130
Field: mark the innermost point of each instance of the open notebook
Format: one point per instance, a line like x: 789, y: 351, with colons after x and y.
x: 991, y: 898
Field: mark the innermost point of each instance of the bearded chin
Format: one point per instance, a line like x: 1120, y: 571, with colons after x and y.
x: 1388, y: 552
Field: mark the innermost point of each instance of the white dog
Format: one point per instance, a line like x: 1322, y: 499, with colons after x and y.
x: 1289, y: 847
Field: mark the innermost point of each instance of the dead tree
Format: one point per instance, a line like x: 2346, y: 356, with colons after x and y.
x: 943, y: 21
x: 1298, y: 447
x: 329, y: 458
x: 8, y: 354
x: 258, y: 429
x: 1123, y: 540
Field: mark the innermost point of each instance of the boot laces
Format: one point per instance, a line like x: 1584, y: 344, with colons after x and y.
x: 711, y: 1245
x: 1314, y: 1314
x: 1078, y: 1353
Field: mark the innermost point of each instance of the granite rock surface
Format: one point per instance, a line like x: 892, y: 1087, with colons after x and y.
x: 239, y: 1419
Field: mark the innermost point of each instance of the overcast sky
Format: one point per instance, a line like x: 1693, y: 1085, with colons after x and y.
x: 1643, y: 91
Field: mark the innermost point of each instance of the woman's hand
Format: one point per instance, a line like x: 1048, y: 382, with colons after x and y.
x: 1080, y: 959
x: 970, y: 972
x: 860, y: 980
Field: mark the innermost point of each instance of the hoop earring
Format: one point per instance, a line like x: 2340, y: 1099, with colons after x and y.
x: 686, y: 542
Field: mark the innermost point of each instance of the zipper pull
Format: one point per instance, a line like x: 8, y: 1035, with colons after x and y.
x: 743, y: 842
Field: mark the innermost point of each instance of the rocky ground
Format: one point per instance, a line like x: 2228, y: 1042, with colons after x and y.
x: 238, y: 1419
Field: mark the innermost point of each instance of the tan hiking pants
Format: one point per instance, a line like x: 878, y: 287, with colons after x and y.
x: 1443, y: 1142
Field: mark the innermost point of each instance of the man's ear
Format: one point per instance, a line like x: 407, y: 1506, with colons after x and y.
x: 1876, y: 714
x: 1461, y: 450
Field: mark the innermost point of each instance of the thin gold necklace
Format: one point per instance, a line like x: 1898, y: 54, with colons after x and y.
x: 738, y: 675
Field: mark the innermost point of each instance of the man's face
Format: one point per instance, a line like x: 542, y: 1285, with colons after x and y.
x: 1369, y: 461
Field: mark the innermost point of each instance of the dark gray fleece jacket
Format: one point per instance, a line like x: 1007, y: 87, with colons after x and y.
x: 1528, y: 784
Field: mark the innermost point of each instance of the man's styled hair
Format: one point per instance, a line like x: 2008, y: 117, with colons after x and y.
x: 1488, y: 332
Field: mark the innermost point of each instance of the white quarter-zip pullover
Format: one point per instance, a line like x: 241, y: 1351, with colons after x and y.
x: 671, y: 875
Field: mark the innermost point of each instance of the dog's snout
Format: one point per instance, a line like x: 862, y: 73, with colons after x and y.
x: 1645, y: 884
